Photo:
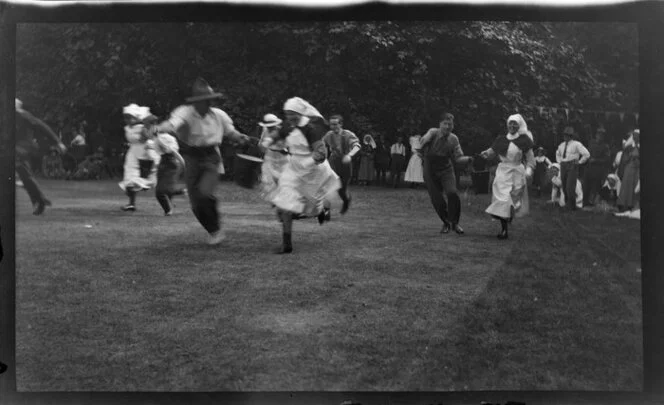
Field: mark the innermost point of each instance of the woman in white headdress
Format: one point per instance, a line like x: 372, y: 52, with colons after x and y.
x: 141, y: 160
x: 307, y: 179
x: 517, y: 163
x: 415, y: 169
x: 367, y: 154
x: 275, y: 155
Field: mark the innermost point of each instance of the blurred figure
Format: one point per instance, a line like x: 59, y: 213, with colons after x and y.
x: 397, y: 161
x: 367, y: 163
x: 597, y: 168
x: 415, y: 171
x: 27, y: 127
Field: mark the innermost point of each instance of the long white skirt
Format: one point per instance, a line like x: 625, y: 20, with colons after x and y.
x: 273, y: 165
x: 132, y: 169
x: 414, y: 171
x: 509, y: 191
x: 304, y: 186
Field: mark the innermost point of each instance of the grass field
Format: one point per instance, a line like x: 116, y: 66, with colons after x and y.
x: 374, y: 300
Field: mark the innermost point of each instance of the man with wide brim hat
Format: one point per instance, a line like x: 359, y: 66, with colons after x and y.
x: 570, y: 154
x: 200, y: 129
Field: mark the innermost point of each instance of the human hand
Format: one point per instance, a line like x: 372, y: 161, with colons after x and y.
x: 346, y: 159
x: 62, y: 148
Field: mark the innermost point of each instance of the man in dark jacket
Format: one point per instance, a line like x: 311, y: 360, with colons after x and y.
x: 597, y: 168
x: 29, y: 127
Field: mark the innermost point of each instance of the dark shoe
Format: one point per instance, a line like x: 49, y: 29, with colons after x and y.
x: 39, y: 208
x: 446, y: 228
x: 458, y: 229
x: 345, y: 206
x: 287, y: 246
x: 128, y: 207
x: 324, y: 215
x: 502, y: 234
x: 284, y: 250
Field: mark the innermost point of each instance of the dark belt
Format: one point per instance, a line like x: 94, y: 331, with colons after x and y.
x: 198, y: 151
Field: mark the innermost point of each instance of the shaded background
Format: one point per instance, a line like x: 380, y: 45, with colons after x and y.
x: 387, y: 77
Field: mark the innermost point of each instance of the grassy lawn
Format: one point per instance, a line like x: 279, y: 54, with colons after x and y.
x: 374, y: 300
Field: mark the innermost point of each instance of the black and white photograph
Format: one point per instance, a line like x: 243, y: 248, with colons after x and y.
x: 328, y: 205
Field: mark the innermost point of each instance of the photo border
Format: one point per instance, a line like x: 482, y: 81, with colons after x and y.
x: 649, y: 15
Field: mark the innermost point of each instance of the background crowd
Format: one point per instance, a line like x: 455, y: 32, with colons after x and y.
x: 608, y: 179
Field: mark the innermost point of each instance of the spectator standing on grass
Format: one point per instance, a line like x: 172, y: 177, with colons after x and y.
x: 342, y: 145
x: 415, y: 170
x: 542, y: 164
x: 597, y: 168
x: 381, y: 160
x: 52, y: 164
x: 630, y: 184
x: 27, y: 127
x: 558, y: 192
x: 441, y: 150
x: 200, y: 129
x: 509, y: 192
x: 570, y: 154
x: 367, y: 155
x: 397, y: 161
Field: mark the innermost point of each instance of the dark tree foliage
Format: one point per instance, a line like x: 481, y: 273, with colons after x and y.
x: 393, y: 78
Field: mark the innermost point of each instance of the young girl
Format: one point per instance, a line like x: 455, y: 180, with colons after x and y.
x: 557, y: 189
x: 141, y: 160
x: 542, y: 163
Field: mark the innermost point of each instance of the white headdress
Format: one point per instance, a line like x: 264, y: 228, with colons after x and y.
x: 371, y: 140
x: 523, y: 127
x: 131, y: 109
x: 301, y: 107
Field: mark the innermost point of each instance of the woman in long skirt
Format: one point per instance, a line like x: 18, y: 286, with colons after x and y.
x: 630, y: 179
x: 415, y: 170
x: 275, y: 155
x: 367, y: 153
x: 307, y: 178
x: 509, y: 197
x: 141, y: 160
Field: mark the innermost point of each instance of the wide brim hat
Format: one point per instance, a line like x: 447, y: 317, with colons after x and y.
x: 269, y: 121
x: 201, y: 91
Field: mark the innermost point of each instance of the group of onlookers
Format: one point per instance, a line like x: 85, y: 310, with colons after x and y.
x: 583, y: 177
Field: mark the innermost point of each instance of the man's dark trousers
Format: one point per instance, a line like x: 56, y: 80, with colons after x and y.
x: 201, y: 177
x: 439, y: 182
x: 344, y: 171
x: 31, y: 186
x: 569, y: 174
